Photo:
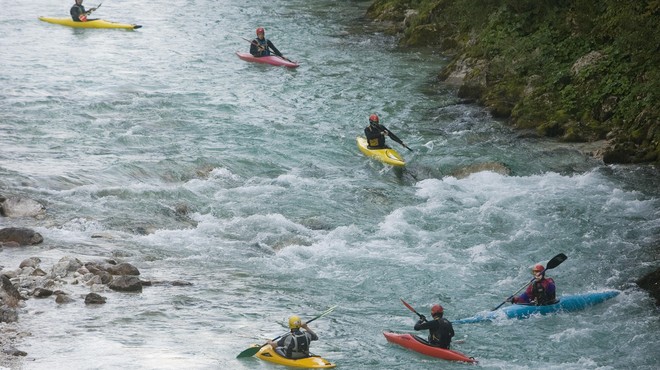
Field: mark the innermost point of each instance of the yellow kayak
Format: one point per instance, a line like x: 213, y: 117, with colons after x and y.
x: 267, y: 353
x: 387, y: 155
x: 96, y: 23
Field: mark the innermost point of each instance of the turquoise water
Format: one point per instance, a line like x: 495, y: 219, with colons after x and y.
x: 113, y: 130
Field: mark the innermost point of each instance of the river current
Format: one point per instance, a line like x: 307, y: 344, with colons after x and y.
x: 116, y: 131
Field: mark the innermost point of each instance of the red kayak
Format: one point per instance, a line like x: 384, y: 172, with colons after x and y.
x: 417, y: 344
x: 272, y: 60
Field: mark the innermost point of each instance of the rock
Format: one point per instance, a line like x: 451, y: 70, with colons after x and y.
x: 30, y: 262
x: 123, y: 269
x: 94, y: 298
x: 61, y: 297
x: 9, y: 293
x: 42, y: 293
x: 65, y: 265
x: 21, y: 207
x: 13, y: 351
x: 651, y: 283
x: 20, y: 235
x: 8, y: 314
x: 125, y: 283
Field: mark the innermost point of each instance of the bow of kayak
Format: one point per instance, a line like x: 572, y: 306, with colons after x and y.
x: 272, y: 60
x: 95, y: 23
x: 417, y: 344
x: 567, y: 303
x: 387, y: 155
x: 267, y: 353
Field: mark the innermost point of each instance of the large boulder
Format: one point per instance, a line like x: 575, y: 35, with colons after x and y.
x: 651, y: 283
x: 20, y: 235
x: 20, y: 207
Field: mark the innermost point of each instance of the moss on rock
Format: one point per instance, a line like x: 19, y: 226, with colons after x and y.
x: 575, y: 70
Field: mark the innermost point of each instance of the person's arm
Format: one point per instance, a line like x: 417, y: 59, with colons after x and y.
x: 525, y: 297
x: 313, y: 335
x: 422, y: 324
x: 280, y: 342
x: 277, y: 52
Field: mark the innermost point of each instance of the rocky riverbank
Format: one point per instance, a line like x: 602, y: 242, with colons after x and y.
x: 575, y: 71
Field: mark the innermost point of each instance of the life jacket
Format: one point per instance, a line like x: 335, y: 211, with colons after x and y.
x: 263, y: 43
x: 298, y: 346
x: 539, y: 294
x: 374, y: 137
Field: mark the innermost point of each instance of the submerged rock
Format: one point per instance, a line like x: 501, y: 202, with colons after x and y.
x: 651, y: 283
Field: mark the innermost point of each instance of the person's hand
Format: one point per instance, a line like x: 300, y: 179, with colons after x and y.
x: 304, y: 326
x: 422, y: 318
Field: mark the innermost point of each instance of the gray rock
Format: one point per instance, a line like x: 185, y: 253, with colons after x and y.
x: 125, y: 283
x: 94, y: 298
x: 20, y: 235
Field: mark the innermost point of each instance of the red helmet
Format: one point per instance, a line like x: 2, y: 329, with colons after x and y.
x: 538, y: 268
x: 437, y: 309
x: 373, y: 118
x: 260, y: 30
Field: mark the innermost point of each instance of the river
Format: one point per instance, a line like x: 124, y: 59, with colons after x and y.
x: 114, y: 131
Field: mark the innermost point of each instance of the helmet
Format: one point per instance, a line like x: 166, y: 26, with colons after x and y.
x: 437, y: 309
x: 260, y: 30
x: 373, y: 118
x: 294, y: 322
x: 538, y: 268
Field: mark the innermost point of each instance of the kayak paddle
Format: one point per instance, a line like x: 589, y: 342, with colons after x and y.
x: 253, y: 350
x: 410, y: 308
x: 396, y: 138
x: 554, y: 262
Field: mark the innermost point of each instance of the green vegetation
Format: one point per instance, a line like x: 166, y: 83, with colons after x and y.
x: 577, y: 70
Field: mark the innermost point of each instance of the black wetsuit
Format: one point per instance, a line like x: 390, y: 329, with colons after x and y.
x: 266, y: 44
x: 440, y: 331
x: 76, y: 11
x: 375, y: 136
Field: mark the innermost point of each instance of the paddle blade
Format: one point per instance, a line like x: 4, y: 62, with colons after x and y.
x: 556, y: 261
x: 407, y: 305
x: 249, y: 352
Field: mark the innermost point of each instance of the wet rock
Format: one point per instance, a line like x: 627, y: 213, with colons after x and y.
x: 125, y: 283
x: 8, y: 314
x: 9, y: 292
x: 651, y: 283
x: 42, y: 293
x: 13, y: 352
x: 21, y: 207
x: 20, y: 235
x: 66, y: 265
x: 123, y: 269
x: 94, y: 298
x: 61, y: 298
x: 30, y: 262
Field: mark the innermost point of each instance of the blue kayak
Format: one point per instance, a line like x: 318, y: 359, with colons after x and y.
x: 567, y: 303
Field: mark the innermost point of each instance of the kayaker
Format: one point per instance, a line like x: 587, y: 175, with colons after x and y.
x: 541, y: 292
x: 261, y: 46
x: 296, y: 343
x: 78, y: 13
x: 440, y: 329
x: 376, y: 133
